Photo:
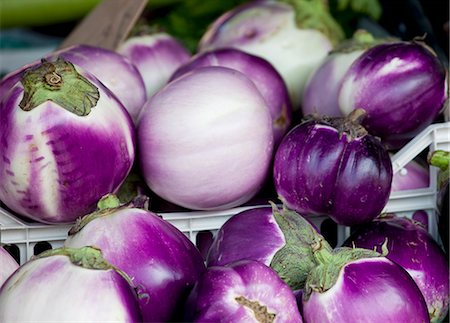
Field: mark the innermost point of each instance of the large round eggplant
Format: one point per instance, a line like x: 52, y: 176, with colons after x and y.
x: 358, y: 285
x: 65, y: 141
x: 163, y: 262
x: 69, y: 285
x: 412, y: 247
x: 332, y: 166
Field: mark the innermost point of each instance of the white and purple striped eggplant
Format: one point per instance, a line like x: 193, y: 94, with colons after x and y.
x: 156, y: 56
x: 243, y: 291
x: 412, y: 247
x: 161, y: 260
x: 401, y: 85
x: 7, y: 265
x: 352, y: 285
x: 266, y: 78
x: 205, y: 140
x: 69, y: 285
x: 277, y: 238
x: 65, y: 141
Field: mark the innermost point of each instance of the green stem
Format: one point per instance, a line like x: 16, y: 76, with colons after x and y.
x: 86, y: 257
x: 440, y: 159
x: 60, y: 83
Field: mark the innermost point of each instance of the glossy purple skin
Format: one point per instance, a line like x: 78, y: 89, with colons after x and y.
x: 52, y: 289
x: 413, y: 248
x: 401, y: 85
x: 412, y: 176
x: 156, y: 57
x: 368, y: 290
x: 112, y: 69
x: 213, y: 298
x: 266, y: 78
x: 256, y: 228
x: 322, y: 89
x: 55, y: 165
x: 7, y: 265
x: 163, y: 262
x: 318, y: 173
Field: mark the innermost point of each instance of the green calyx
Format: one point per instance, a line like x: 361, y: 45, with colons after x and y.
x: 330, y: 263
x: 295, y: 260
x: 315, y: 14
x: 91, y: 258
x: 441, y: 159
x: 58, y: 82
x: 350, y: 124
x: 108, y: 205
x: 86, y: 257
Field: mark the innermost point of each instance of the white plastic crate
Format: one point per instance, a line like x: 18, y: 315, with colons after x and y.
x: 25, y: 235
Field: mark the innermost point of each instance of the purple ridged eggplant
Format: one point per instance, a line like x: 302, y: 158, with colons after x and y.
x: 8, y: 265
x: 115, y: 71
x: 162, y: 261
x: 277, y: 238
x: 332, y: 166
x: 401, y: 85
x: 412, y: 247
x: 65, y: 141
x: 243, y: 291
x: 156, y: 56
x: 69, y: 285
x: 294, y: 36
x: 358, y: 285
x: 261, y: 72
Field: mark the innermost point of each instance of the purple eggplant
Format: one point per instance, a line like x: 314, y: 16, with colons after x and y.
x: 69, y: 285
x: 278, y: 238
x: 8, y: 265
x: 358, y: 285
x: 332, y: 166
x: 156, y: 56
x: 205, y: 140
x: 243, y: 291
x: 163, y: 262
x: 412, y: 247
x: 401, y: 85
x: 261, y: 72
x: 65, y: 141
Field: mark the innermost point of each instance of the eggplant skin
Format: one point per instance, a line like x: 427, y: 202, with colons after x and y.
x: 368, y: 290
x: 318, y: 171
x: 53, y: 289
x: 228, y: 294
x: 412, y: 247
x: 55, y: 165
